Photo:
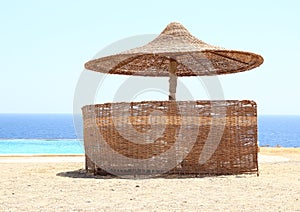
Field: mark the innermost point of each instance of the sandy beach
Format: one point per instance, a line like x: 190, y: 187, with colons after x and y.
x: 57, y: 183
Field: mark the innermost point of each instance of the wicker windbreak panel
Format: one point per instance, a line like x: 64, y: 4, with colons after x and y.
x: 171, y: 137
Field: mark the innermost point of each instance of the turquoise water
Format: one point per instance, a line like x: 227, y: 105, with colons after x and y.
x: 40, y: 146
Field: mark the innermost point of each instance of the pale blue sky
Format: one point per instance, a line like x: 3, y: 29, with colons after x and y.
x: 44, y: 45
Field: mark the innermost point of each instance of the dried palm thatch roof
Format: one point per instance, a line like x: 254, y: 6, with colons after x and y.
x: 193, y: 57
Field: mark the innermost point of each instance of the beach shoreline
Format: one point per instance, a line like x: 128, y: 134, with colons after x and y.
x: 265, y: 152
x: 61, y: 185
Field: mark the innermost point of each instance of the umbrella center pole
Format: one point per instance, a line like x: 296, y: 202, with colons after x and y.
x: 172, y: 79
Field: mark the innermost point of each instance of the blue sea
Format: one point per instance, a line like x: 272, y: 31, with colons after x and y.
x: 38, y: 134
x: 55, y: 133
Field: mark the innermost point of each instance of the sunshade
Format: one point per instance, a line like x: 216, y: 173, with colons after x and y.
x: 175, y: 52
x: 194, y: 57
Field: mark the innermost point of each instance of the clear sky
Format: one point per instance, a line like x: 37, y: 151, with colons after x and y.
x: 44, y: 44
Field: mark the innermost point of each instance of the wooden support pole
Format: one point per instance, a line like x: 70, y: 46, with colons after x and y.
x: 172, y: 79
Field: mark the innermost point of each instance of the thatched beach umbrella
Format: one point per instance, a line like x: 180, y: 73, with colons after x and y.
x: 176, y: 53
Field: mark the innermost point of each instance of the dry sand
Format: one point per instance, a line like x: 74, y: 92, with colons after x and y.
x: 46, y: 184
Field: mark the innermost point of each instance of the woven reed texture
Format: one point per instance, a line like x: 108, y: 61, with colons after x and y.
x: 235, y: 154
x: 194, y: 57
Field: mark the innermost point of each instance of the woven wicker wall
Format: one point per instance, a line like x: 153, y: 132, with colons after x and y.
x: 118, y: 124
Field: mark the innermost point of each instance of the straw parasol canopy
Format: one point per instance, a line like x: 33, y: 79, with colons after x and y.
x: 176, y: 53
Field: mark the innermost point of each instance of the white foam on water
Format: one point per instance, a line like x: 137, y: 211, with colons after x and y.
x: 42, y: 159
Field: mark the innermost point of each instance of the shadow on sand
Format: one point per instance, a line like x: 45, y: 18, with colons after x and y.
x: 82, y: 173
